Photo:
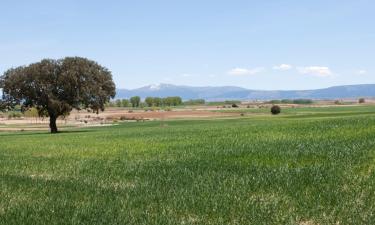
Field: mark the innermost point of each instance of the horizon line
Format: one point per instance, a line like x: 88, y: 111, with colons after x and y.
x: 341, y: 85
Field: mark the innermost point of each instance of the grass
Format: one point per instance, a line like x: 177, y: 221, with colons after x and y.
x: 315, y: 167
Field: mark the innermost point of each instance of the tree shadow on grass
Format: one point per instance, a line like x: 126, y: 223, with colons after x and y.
x: 34, y: 133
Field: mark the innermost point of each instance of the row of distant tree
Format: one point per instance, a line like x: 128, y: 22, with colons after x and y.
x: 291, y: 101
x: 305, y: 101
x: 136, y: 101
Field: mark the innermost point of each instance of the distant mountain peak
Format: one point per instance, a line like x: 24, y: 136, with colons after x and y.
x: 154, y: 86
x: 237, y: 93
x: 158, y: 86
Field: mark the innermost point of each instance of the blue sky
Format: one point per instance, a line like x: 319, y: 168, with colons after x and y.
x: 268, y: 44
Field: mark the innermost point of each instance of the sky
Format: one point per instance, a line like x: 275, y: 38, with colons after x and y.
x: 263, y: 44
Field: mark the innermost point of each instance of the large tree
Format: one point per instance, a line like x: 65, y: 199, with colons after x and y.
x: 55, y: 87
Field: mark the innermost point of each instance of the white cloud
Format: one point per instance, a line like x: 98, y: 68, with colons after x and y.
x: 283, y: 67
x: 362, y: 72
x: 319, y: 71
x: 243, y: 71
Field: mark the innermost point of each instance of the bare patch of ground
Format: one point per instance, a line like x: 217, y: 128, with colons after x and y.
x: 87, y: 119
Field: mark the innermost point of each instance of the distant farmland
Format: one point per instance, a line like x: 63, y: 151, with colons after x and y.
x: 304, y: 166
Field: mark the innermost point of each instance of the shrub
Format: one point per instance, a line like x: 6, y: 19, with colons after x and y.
x: 234, y: 105
x: 14, y: 115
x: 361, y: 100
x: 287, y: 101
x: 302, y: 101
x: 195, y: 102
x: 274, y: 101
x: 275, y: 109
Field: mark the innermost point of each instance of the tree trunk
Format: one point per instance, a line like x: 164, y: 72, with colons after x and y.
x: 52, y: 124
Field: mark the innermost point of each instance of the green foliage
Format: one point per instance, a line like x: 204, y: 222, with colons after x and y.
x: 135, y: 101
x: 172, y: 101
x: 55, y: 87
x: 14, y: 115
x: 118, y: 103
x: 125, y: 103
x: 302, y: 101
x: 158, y: 101
x: 168, y: 101
x: 195, y: 102
x: 315, y: 169
x: 110, y: 104
x: 32, y: 112
x: 274, y: 102
x: 338, y: 102
x: 287, y: 101
x: 275, y: 109
x: 291, y: 101
x: 149, y: 101
x: 220, y: 103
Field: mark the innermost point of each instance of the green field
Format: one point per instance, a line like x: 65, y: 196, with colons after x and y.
x: 309, y: 166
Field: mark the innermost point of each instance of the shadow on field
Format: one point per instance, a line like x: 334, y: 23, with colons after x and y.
x: 33, y: 133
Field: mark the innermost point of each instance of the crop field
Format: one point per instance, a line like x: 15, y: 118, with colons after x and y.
x: 305, y: 166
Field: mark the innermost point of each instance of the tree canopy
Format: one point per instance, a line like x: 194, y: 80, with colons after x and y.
x: 167, y: 101
x: 135, y: 101
x: 55, y: 87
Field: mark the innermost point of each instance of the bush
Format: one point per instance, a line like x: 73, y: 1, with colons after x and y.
x: 286, y: 101
x: 195, y: 102
x: 275, y: 109
x: 274, y: 102
x: 361, y: 100
x: 302, y: 101
x: 14, y: 115
x: 234, y: 105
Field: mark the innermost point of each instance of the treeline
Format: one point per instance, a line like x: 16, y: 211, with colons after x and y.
x: 168, y: 101
x: 291, y: 101
x: 136, y: 102
x: 195, y: 102
x: 227, y: 102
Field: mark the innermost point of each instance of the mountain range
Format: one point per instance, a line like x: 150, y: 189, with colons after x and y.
x: 237, y: 93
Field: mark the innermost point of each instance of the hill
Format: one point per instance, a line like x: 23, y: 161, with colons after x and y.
x: 238, y: 93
